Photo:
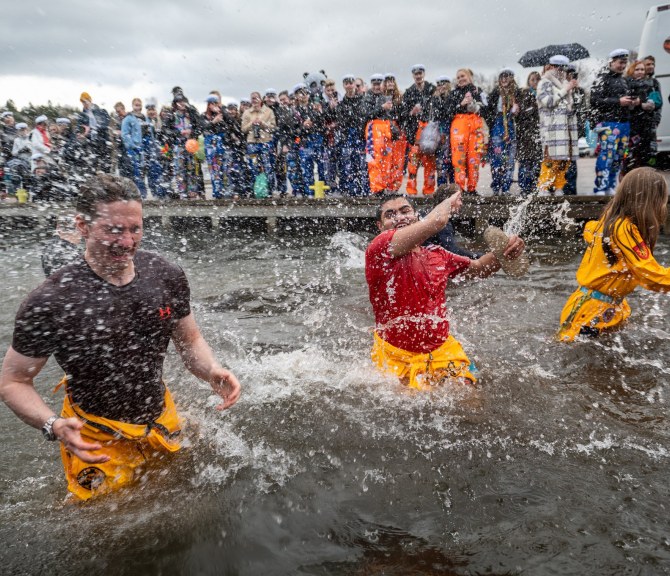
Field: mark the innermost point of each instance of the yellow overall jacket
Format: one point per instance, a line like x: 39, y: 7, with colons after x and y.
x: 599, y: 304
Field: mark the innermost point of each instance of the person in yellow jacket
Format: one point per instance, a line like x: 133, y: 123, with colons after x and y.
x: 619, y: 257
x: 108, y: 319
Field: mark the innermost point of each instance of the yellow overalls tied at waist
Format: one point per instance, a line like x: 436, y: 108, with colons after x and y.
x: 591, y: 312
x: 424, y: 370
x: 128, y: 446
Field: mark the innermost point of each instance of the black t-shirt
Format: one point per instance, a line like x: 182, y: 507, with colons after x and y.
x: 110, y: 340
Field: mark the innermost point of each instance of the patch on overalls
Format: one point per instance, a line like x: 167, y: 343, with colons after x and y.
x: 642, y: 251
x: 91, y: 478
x: 608, y: 315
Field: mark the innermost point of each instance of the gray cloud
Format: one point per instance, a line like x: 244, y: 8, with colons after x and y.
x: 238, y: 46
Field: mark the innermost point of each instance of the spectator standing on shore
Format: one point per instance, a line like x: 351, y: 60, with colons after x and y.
x: 183, y: 125
x: 332, y: 145
x: 164, y: 140
x: 259, y: 125
x: 416, y: 108
x: 385, y: 142
x: 95, y: 124
x: 500, y: 113
x: 40, y: 141
x: 468, y: 139
x: 236, y: 183
x: 610, y: 107
x: 152, y: 149
x: 131, y: 136
x: 581, y: 112
x: 657, y: 98
x: 289, y: 130
x: 8, y: 133
x: 213, y: 130
x: 350, y: 117
x: 558, y: 126
x: 529, y: 149
x: 17, y: 165
x: 441, y: 114
x: 118, y: 161
x: 642, y: 119
x: 310, y: 139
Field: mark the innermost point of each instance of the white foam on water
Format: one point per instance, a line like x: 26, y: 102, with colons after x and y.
x: 610, y: 442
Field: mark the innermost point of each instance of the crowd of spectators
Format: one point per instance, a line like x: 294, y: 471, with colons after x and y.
x: 355, y: 141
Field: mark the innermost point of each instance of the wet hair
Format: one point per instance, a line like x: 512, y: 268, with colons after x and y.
x: 642, y: 196
x: 387, y: 197
x: 104, y: 189
x: 442, y: 193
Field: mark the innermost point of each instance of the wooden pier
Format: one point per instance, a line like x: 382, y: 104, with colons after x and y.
x: 297, y: 215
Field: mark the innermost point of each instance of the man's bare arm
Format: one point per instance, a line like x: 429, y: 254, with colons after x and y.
x: 200, y: 361
x: 17, y: 390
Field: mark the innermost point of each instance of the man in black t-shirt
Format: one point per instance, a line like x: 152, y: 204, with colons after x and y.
x: 107, y: 319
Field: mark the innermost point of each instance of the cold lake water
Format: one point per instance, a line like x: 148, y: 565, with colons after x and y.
x: 557, y: 463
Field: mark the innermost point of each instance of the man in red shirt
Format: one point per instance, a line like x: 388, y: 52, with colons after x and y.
x: 407, y: 283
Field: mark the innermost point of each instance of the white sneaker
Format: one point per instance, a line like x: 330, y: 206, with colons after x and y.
x: 610, y: 192
x: 558, y: 192
x: 600, y: 193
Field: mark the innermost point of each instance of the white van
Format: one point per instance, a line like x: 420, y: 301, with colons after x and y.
x: 655, y: 41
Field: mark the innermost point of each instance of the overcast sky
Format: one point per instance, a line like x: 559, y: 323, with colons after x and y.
x: 119, y: 49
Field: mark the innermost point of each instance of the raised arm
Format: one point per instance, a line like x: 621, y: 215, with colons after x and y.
x: 409, y: 237
x: 200, y: 361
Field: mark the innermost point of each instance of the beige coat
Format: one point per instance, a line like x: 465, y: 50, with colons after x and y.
x: 267, y: 125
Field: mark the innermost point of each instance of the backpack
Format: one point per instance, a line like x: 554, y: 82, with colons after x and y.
x: 261, y: 186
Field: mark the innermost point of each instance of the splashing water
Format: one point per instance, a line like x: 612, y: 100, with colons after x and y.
x: 561, y: 219
x: 517, y: 217
x: 556, y: 462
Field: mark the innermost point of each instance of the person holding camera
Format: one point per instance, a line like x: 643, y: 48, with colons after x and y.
x: 642, y: 119
x: 611, y: 105
x: 258, y: 125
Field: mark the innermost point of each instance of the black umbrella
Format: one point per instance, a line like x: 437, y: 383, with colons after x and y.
x: 541, y: 56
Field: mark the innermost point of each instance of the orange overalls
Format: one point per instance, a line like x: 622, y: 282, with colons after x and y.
x: 467, y: 148
x: 384, y: 155
x: 416, y: 157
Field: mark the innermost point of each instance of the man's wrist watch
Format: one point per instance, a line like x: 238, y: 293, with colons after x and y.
x: 48, y: 428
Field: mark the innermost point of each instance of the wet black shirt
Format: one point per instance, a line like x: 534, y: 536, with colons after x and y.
x: 110, y: 340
